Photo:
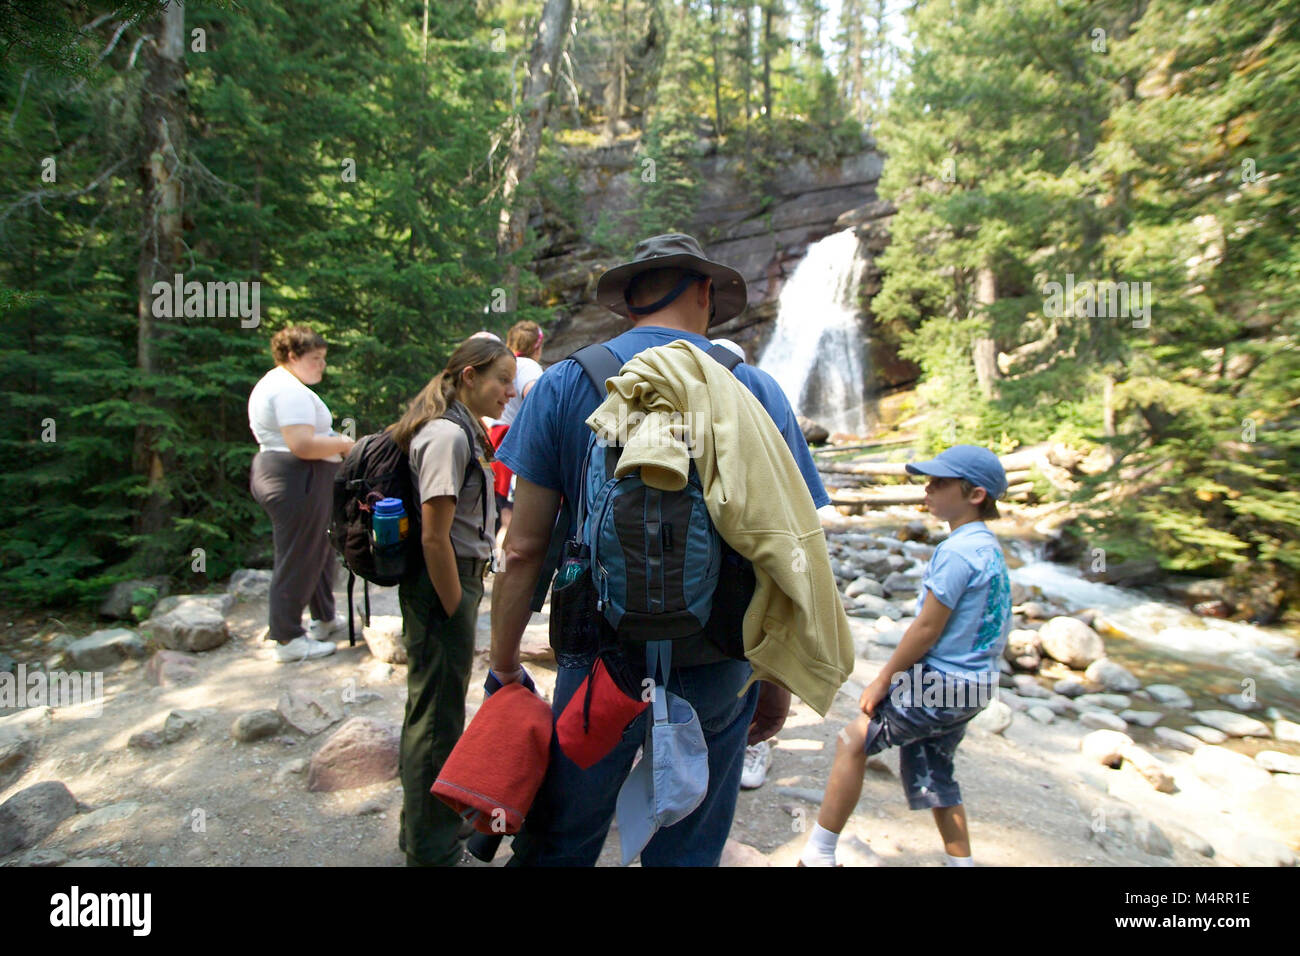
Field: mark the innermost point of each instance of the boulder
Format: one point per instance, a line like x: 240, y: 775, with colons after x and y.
x: 1151, y: 839
x: 361, y: 752
x: 1105, y: 746
x: 104, y: 649
x: 178, y: 725
x: 169, y: 668
x: 898, y: 584
x: 1176, y: 739
x: 1022, y: 642
x: 864, y: 585
x: 146, y: 740
x: 1069, y: 687
x: 30, y: 815
x: 1042, y: 713
x: 1102, y: 720
x: 1206, y: 734
x: 109, y: 814
x: 117, y: 603
x: 248, y: 584
x: 1286, y: 730
x: 1060, y: 706
x: 190, y: 626
x: 875, y: 562
x: 1071, y: 642
x: 221, y: 603
x: 256, y: 725
x: 1275, y: 761
x: 310, y: 711
x: 1169, y: 696
x: 877, y: 606
x: 1027, y: 686
x: 813, y: 433
x: 1034, y: 611
x: 1112, y: 676
x: 1127, y: 574
x: 994, y: 718
x: 1220, y: 767
x: 17, y: 748
x: 384, y: 638
x: 1234, y: 725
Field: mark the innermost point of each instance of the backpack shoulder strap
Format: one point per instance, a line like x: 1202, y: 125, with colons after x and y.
x: 599, y: 363
x: 724, y: 357
x: 469, y: 470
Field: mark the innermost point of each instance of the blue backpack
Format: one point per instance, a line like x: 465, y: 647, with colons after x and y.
x: 654, y: 555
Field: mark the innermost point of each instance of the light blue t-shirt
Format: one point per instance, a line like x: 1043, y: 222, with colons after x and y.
x: 548, y: 440
x: 968, y: 573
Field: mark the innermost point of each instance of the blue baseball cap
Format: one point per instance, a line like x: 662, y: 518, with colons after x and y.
x: 977, y: 465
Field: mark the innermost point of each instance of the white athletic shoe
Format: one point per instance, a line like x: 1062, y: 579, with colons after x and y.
x: 302, y: 649
x: 324, y: 630
x: 757, y: 759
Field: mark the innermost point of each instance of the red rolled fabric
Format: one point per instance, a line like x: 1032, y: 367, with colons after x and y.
x: 498, y: 764
x: 501, y: 474
x: 593, y: 721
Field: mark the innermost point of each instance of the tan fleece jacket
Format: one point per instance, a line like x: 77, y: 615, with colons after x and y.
x: 796, y: 632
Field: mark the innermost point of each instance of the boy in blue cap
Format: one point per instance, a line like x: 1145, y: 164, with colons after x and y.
x: 943, y: 672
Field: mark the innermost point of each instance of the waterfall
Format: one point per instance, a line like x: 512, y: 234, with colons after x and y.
x: 817, y: 353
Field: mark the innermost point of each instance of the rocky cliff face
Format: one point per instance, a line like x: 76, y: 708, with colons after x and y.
x: 762, y: 236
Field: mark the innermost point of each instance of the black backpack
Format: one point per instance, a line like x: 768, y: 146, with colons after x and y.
x: 374, y: 469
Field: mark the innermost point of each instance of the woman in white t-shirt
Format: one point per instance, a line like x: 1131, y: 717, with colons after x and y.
x: 293, y: 479
x: 525, y: 340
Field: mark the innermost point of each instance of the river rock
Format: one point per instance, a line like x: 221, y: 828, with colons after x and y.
x: 1071, y: 642
x: 1207, y: 734
x: 1150, y: 838
x: 1069, y: 687
x: 898, y: 584
x: 1042, y: 713
x: 1112, y: 676
x: 221, y: 603
x: 878, y: 606
x: 1152, y: 768
x: 169, y: 668
x: 30, y: 815
x: 864, y: 585
x: 1169, y: 696
x: 1220, y: 767
x: 1240, y: 702
x: 1023, y: 642
x: 248, y: 584
x: 1105, y: 746
x: 1143, y: 718
x: 888, y: 638
x: 1234, y: 725
x: 1060, y: 706
x: 874, y: 563
x: 1286, y: 730
x: 1017, y: 703
x: 310, y: 711
x: 17, y: 748
x: 1104, y: 701
x: 1176, y: 739
x: 1277, y: 762
x: 118, y: 602
x: 190, y: 626
x: 994, y: 718
x: 256, y: 725
x: 384, y: 638
x: 1027, y: 686
x: 1102, y: 720
x: 146, y: 740
x: 361, y: 752
x: 104, y: 648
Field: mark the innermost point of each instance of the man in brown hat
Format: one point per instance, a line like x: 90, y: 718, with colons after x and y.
x: 670, y: 290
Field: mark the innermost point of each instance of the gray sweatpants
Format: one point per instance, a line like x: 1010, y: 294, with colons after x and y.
x: 298, y: 495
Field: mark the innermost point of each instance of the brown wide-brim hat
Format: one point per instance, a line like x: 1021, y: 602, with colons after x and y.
x: 674, y: 251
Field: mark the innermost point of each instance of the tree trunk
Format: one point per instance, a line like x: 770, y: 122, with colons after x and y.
x: 543, y: 71
x: 616, y: 92
x: 715, y: 13
x: 767, y: 59
x: 985, y: 351
x: 747, y: 60
x: 164, y: 107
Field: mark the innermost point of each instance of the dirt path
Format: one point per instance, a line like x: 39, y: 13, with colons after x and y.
x: 208, y: 800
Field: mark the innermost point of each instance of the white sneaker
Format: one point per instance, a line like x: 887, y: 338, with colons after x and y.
x: 757, y: 759
x: 324, y: 630
x: 301, y: 649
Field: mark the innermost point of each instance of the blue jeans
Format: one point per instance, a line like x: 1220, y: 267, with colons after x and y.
x: 570, y: 818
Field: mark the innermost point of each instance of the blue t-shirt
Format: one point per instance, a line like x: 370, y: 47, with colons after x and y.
x: 968, y: 573
x: 548, y: 440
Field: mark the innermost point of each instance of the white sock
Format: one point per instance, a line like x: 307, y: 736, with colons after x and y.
x: 956, y: 860
x: 820, y: 850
